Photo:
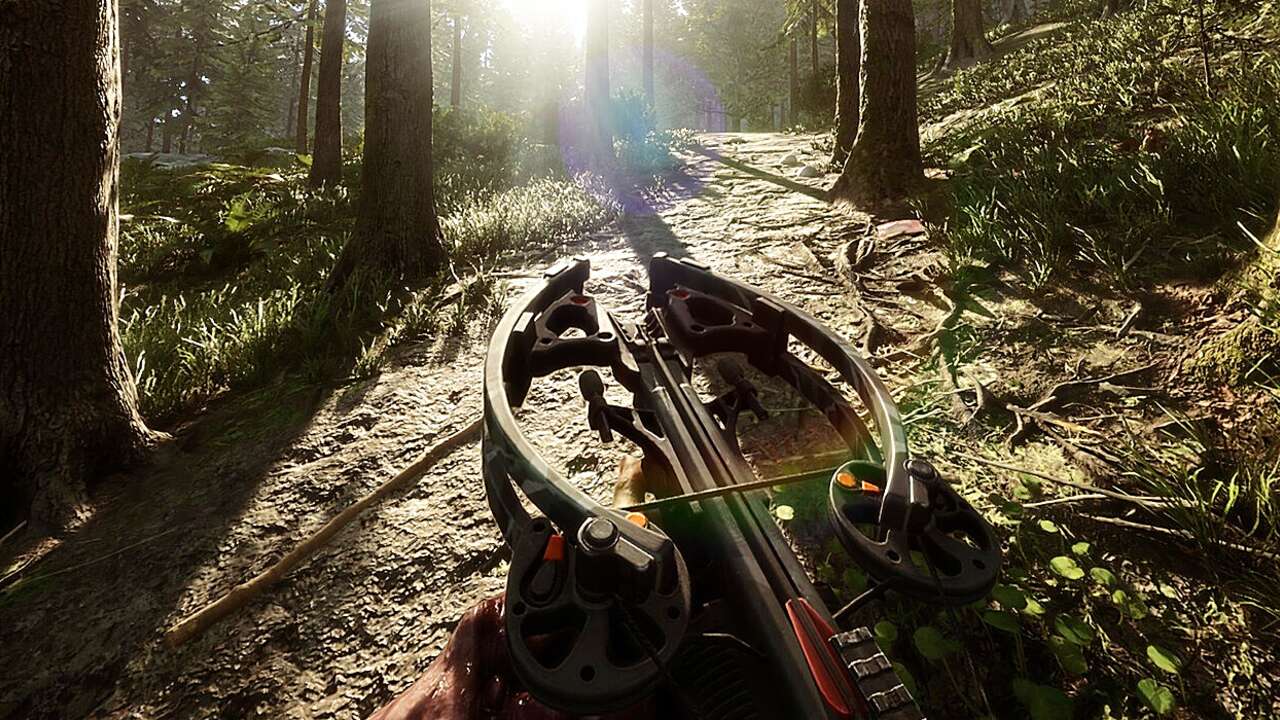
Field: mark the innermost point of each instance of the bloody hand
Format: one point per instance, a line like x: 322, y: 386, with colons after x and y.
x: 472, y: 680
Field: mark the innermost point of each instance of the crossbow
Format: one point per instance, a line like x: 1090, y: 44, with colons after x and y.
x: 694, y: 600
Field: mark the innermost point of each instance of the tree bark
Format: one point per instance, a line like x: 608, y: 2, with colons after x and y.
x: 600, y: 142
x: 397, y: 231
x: 68, y: 405
x: 455, y: 86
x: 1017, y: 12
x: 326, y: 164
x: 151, y: 133
x: 848, y: 49
x: 794, y: 100
x: 166, y: 134
x: 649, y: 94
x: 884, y: 162
x: 304, y: 91
x: 968, y: 35
x: 813, y: 39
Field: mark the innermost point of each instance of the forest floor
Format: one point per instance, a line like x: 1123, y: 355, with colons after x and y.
x: 241, y: 484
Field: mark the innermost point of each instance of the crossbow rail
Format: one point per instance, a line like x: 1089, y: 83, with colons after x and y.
x: 608, y: 608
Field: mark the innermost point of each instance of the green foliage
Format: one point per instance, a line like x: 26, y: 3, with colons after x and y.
x: 223, y: 269
x: 1156, y: 696
x: 1066, y: 567
x: 932, y: 644
x: 1120, y: 161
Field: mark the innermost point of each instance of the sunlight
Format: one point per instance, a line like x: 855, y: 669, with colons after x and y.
x: 550, y: 13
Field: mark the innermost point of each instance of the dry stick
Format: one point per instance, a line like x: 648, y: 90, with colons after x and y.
x: 1182, y: 534
x: 1124, y: 497
x: 13, y: 532
x: 240, y: 595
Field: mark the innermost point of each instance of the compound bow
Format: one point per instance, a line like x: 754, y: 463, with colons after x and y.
x: 696, y: 599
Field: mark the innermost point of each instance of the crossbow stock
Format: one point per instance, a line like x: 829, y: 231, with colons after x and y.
x: 699, y: 603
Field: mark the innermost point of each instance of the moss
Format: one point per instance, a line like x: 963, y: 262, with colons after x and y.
x: 1253, y: 345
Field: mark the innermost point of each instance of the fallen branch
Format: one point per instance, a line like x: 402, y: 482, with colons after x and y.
x: 239, y: 596
x: 13, y: 532
x: 1183, y: 535
x: 1084, y: 487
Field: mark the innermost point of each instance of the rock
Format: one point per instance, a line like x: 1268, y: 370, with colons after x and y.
x: 790, y: 160
x: 808, y: 171
x: 896, y: 228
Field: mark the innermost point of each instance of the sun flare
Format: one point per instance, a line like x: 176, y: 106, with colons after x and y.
x: 550, y: 13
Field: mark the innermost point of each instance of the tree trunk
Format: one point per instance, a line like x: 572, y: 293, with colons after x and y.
x: 968, y: 35
x: 397, y: 231
x: 813, y: 40
x: 847, y: 61
x: 649, y: 94
x: 455, y: 87
x: 304, y: 91
x: 1018, y: 12
x: 794, y: 99
x: 326, y: 164
x: 600, y: 142
x: 68, y: 406
x: 151, y: 133
x: 166, y: 135
x: 884, y: 162
x: 290, y: 120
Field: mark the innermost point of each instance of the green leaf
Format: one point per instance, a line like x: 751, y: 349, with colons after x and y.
x: 1157, y: 697
x: 1168, y: 591
x: 1002, y: 620
x: 1129, y: 605
x: 908, y: 680
x: 1009, y: 597
x: 1066, y: 567
x: 1102, y: 576
x: 785, y: 512
x: 1080, y: 548
x: 1011, y: 510
x: 1069, y: 655
x: 1164, y: 659
x: 933, y: 644
x: 886, y: 633
x: 1043, y: 702
x: 855, y: 580
x: 1073, y: 629
x: 1033, y: 608
x: 1048, y: 526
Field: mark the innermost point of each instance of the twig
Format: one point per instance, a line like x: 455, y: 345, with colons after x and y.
x: 239, y: 596
x: 1183, y: 535
x: 1069, y: 499
x: 11, y: 577
x: 13, y: 532
x: 1114, y: 495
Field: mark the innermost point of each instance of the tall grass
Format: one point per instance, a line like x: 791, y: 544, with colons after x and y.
x: 223, y: 269
x: 1125, y: 163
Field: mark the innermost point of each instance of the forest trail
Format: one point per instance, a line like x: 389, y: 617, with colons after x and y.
x: 240, y: 486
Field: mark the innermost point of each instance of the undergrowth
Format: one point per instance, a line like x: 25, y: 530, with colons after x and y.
x: 1123, y: 160
x: 223, y: 266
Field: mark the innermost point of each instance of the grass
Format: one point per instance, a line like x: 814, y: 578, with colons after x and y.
x: 1099, y: 159
x: 1124, y: 165
x: 223, y: 267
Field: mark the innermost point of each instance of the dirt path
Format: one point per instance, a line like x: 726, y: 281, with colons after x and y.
x: 362, y: 620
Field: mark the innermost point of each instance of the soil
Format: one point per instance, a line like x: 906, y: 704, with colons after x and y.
x: 240, y: 485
